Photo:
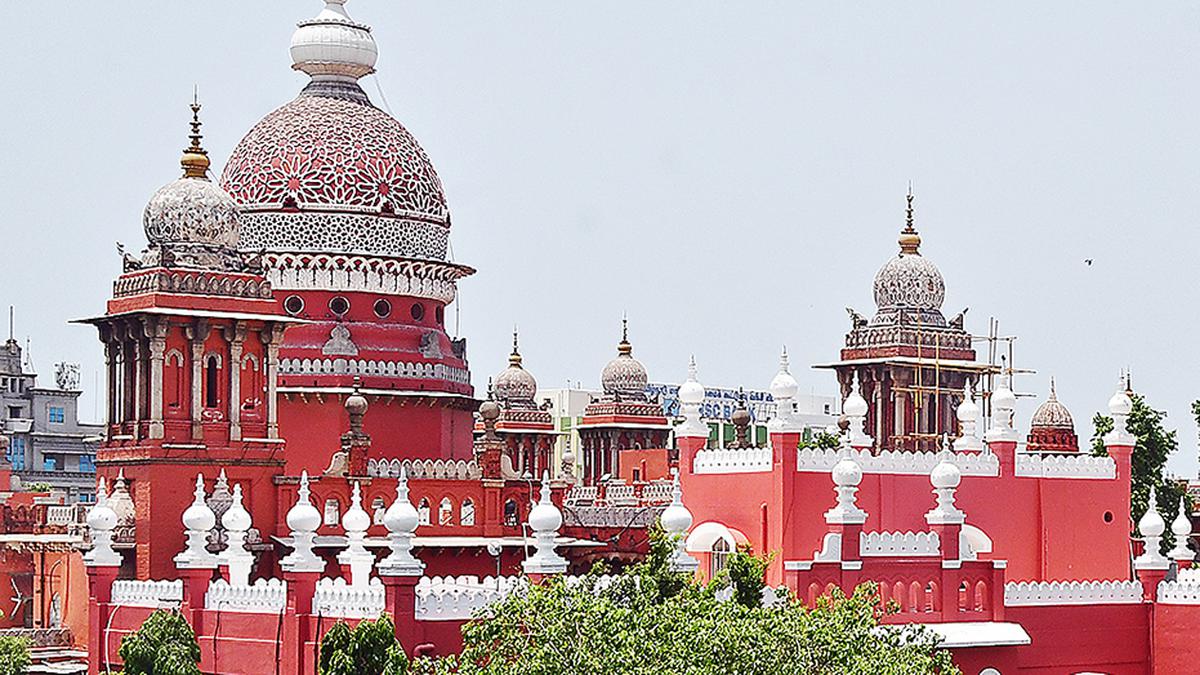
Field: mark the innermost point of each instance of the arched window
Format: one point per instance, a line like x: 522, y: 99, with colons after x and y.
x: 211, y: 386
x: 512, y: 516
x: 446, y: 512
x: 719, y: 558
x: 423, y: 512
x: 467, y: 513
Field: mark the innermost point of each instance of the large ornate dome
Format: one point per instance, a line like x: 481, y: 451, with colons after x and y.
x: 330, y: 173
x: 909, y: 286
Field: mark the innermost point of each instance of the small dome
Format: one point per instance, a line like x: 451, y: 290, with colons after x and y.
x: 1120, y: 403
x: 1003, y: 397
x: 101, y: 518
x: 855, y: 405
x: 236, y: 518
x: 514, y: 384
x: 401, y: 516
x: 198, y: 517
x: 945, y: 475
x: 1151, y: 523
x: 624, y: 376
x: 847, y: 473
x: 968, y: 410
x: 303, y: 516
x: 192, y: 211
x: 545, y: 516
x: 1052, y: 414
x: 909, y: 281
x: 356, y: 519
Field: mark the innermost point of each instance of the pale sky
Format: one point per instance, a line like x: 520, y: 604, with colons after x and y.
x: 731, y: 175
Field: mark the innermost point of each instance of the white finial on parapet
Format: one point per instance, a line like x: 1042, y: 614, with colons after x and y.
x: 401, y: 520
x: 101, y: 520
x: 968, y: 420
x: 1119, y: 408
x: 544, y: 520
x: 676, y: 520
x: 945, y: 478
x: 303, y: 519
x: 333, y: 46
x: 1152, y: 527
x: 855, y: 409
x: 236, y: 521
x: 783, y: 391
x: 198, y: 521
x: 691, y: 397
x: 846, y: 476
x: 1181, y: 527
x: 355, y: 522
x: 1004, y: 404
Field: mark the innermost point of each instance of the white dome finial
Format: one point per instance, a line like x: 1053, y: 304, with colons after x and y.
x: 198, y: 521
x: 1152, y: 526
x: 1181, y: 527
x: 236, y: 521
x: 355, y: 522
x: 101, y: 520
x: 968, y: 421
x: 846, y: 476
x: 855, y: 409
x: 945, y: 478
x: 691, y: 397
x: 676, y: 520
x: 333, y: 46
x: 544, y: 520
x: 401, y: 520
x: 303, y: 519
x: 783, y: 390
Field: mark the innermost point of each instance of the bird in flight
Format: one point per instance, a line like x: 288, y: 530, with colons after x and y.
x: 1087, y: 261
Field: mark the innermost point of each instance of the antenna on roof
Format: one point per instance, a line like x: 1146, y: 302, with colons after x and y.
x: 10, y: 322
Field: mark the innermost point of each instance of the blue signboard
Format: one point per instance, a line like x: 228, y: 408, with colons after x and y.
x: 719, y: 404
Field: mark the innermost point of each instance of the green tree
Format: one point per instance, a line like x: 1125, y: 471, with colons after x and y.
x: 164, y: 645
x: 641, y: 625
x: 14, y: 655
x: 822, y: 439
x: 40, y: 486
x: 1153, y: 446
x: 370, y: 648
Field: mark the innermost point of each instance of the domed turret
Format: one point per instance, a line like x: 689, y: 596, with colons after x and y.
x: 332, y: 46
x: 1052, y: 428
x: 514, y: 384
x: 190, y: 222
x: 625, y: 377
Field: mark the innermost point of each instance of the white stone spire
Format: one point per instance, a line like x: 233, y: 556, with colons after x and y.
x: 676, y: 520
x: 355, y: 522
x: 1119, y: 408
x: 236, y: 521
x: 855, y: 410
x: 303, y: 519
x: 544, y: 520
x: 691, y: 397
x: 1152, y: 527
x: 101, y: 520
x: 333, y: 46
x: 846, y: 476
x: 198, y: 521
x: 783, y: 390
x: 968, y: 420
x: 401, y: 520
x: 1181, y: 527
x: 945, y: 478
x: 1004, y: 404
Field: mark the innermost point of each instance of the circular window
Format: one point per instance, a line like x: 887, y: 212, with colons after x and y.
x: 383, y: 308
x: 293, y: 305
x: 417, y: 311
x: 1108, y: 517
x: 339, y: 305
x: 440, y: 314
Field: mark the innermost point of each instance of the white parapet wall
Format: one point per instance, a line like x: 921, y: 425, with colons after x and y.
x: 1031, y: 465
x: 898, y: 544
x: 911, y: 463
x: 1040, y: 593
x: 462, y: 598
x: 336, y: 598
x: 1182, y: 591
x: 739, y: 460
x: 135, y: 593
x: 266, y: 596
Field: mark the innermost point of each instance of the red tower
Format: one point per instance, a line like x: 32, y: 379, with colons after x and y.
x: 911, y: 362
x: 525, y: 426
x: 622, y: 418
x: 352, y: 223
x: 192, y: 338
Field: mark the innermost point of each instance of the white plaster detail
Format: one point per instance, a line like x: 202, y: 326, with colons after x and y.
x: 1152, y: 526
x: 265, y: 596
x: 732, y: 460
x: 1181, y: 527
x: 303, y: 519
x: 676, y: 520
x: 1119, y: 407
x: 691, y: 397
x: 898, y: 544
x: 425, y: 469
x: 198, y: 520
x: 544, y: 521
x: 1033, y: 465
x: 1182, y: 591
x: 1004, y: 404
x: 945, y: 478
x: 236, y: 521
x: 1045, y: 593
x: 846, y: 476
x: 334, y: 597
x: 401, y: 520
x: 895, y: 462
x: 101, y: 521
x: 968, y: 418
x: 375, y: 368
x: 355, y: 522
x: 783, y: 391
x: 147, y: 593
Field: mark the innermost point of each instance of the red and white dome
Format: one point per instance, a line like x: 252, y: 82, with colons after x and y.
x: 330, y: 173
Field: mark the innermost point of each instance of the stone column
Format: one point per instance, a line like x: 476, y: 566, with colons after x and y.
x: 138, y: 371
x: 196, y: 335
x: 156, y: 331
x: 235, y: 335
x: 272, y: 336
x: 111, y: 355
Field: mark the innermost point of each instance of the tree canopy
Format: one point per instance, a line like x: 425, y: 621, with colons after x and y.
x: 649, y: 620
